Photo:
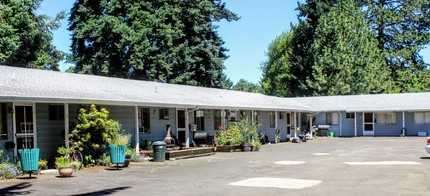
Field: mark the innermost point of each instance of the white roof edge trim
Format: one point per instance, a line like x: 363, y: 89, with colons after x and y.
x: 140, y: 104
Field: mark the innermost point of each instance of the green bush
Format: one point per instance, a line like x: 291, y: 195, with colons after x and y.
x: 92, y: 132
x: 8, y: 171
x: 238, y: 133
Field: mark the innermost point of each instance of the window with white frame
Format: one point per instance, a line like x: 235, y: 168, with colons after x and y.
x: 200, y: 120
x: 3, y: 121
x: 332, y: 118
x: 272, y: 119
x: 350, y: 115
x: 386, y: 118
x: 144, y: 121
x: 422, y: 117
x: 56, y: 112
x: 164, y: 114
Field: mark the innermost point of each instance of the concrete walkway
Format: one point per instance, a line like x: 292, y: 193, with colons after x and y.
x: 318, y: 167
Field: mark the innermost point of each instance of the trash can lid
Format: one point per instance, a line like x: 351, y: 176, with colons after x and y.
x: 159, y: 143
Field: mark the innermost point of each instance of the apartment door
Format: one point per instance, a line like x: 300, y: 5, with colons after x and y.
x: 180, y: 125
x: 24, y: 126
x: 368, y: 124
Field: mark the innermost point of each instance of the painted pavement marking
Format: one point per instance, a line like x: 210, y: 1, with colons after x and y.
x: 321, y: 154
x: 384, y: 163
x: 284, y: 183
x: 289, y: 162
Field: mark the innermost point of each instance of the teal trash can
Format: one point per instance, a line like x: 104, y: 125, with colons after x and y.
x: 159, y: 150
x: 331, y: 134
x: 117, y: 153
x: 29, y: 159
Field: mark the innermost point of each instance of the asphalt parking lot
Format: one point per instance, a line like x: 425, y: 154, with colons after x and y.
x: 326, y: 166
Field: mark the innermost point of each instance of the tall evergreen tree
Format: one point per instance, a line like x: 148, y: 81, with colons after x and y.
x: 402, y: 28
x: 25, y: 36
x: 346, y: 57
x: 173, y: 41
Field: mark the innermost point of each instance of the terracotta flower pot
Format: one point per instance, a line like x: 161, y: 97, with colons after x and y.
x: 65, y: 171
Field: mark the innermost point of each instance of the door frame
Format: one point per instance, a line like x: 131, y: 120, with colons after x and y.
x: 368, y: 132
x: 34, y: 134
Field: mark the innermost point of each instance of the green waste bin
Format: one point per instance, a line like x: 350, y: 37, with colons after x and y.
x: 159, y: 149
x: 331, y: 134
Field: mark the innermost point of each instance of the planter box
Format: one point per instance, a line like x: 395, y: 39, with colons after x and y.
x: 117, y: 154
x: 29, y: 159
x: 235, y: 148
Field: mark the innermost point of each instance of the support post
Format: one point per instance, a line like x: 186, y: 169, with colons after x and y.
x: 136, y: 124
x: 223, y: 119
x: 295, y: 124
x: 276, y: 120
x: 355, y: 123
x: 187, y: 129
x: 310, y: 126
x: 340, y: 123
x: 66, y: 124
x: 403, y: 124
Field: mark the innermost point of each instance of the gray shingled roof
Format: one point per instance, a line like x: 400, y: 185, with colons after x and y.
x: 21, y: 84
x: 370, y: 103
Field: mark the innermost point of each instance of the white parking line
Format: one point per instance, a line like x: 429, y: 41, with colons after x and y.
x: 384, y: 163
x: 285, y: 183
x: 321, y: 154
x: 289, y: 162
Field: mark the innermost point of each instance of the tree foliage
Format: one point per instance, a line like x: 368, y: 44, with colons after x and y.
x: 277, y: 75
x: 346, y: 57
x: 172, y: 41
x: 400, y: 28
x: 25, y: 36
x: 246, y: 86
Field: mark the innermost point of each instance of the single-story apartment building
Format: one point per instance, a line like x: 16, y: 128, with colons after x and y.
x: 38, y: 106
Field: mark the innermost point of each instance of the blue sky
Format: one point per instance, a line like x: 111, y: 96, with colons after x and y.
x: 247, y: 39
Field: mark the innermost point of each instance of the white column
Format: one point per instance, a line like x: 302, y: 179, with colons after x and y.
x: 136, y: 129
x: 403, y: 123
x: 295, y: 124
x: 187, y: 129
x: 34, y: 126
x: 66, y: 124
x: 276, y: 120
x: 341, y: 125
x: 355, y: 123
x: 310, y: 126
x: 223, y: 119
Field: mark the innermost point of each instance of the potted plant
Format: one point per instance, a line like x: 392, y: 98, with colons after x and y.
x: 117, y: 147
x: 128, y: 153
x: 255, y: 145
x: 64, y: 165
x: 42, y: 165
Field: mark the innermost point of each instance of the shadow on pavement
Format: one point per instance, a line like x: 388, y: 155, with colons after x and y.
x: 424, y: 157
x: 105, y: 191
x: 16, y: 189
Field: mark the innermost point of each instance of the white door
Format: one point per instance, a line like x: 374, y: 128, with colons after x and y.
x: 368, y: 124
x: 24, y: 126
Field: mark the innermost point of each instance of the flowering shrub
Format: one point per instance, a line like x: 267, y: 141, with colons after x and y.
x: 8, y: 171
x: 238, y: 133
